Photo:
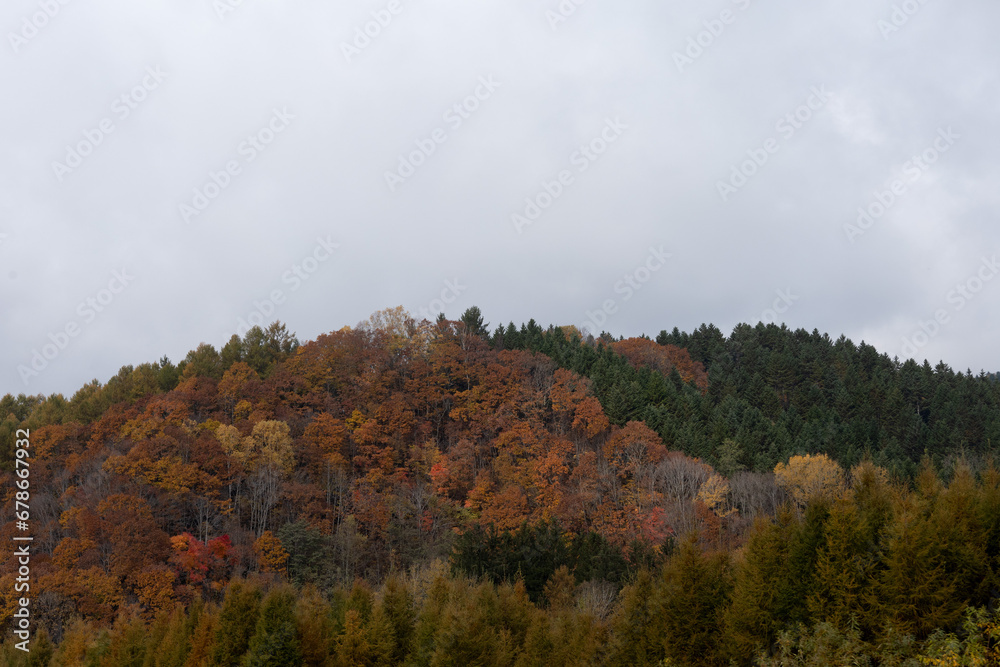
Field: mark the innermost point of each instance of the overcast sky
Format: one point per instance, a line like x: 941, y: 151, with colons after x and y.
x: 172, y: 167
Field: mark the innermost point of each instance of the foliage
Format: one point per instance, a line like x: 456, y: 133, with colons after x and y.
x: 569, y: 481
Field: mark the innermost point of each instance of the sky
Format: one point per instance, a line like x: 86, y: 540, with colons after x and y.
x: 175, y: 171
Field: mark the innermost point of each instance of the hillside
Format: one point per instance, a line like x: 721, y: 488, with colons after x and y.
x: 552, y: 468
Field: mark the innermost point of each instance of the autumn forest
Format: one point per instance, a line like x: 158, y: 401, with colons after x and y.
x: 441, y: 493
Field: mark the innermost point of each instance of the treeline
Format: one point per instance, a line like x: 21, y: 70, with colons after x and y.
x: 774, y: 392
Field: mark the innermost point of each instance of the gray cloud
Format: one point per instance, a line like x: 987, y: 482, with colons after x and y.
x: 323, y: 176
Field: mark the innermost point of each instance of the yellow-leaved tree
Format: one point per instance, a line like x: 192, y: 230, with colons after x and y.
x: 399, y: 329
x: 271, y: 555
x: 714, y: 493
x: 266, y: 457
x: 810, y: 476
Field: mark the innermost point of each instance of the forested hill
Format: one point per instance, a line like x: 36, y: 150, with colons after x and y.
x: 567, y: 468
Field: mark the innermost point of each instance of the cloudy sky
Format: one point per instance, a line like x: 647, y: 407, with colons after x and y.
x: 174, y: 168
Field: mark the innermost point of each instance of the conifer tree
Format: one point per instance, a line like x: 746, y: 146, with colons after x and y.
x: 397, y: 608
x: 369, y: 644
x: 636, y: 632
x: 472, y: 318
x: 844, y: 570
x: 353, y: 647
x: 42, y: 649
x: 803, y: 548
x: 156, y: 633
x: 538, y: 643
x: 963, y: 536
x: 315, y: 627
x: 916, y: 588
x: 429, y: 619
x: 275, y: 642
x: 236, y: 624
x: 558, y: 591
x: 202, y: 636
x: 176, y: 645
x: 127, y: 646
x: 465, y: 635
x: 690, y: 601
x: 753, y: 619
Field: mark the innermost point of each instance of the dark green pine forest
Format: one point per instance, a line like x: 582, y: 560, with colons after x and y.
x: 777, y: 392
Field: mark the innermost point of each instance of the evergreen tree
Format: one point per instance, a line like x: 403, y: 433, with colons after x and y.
x: 803, y: 549
x: 42, y: 649
x: 236, y: 624
x: 637, y: 634
x: 691, y: 598
x: 917, y: 591
x: 754, y: 617
x: 202, y: 636
x: 308, y: 552
x: 167, y: 375
x: 127, y: 644
x: 315, y: 627
x: 176, y: 645
x: 472, y: 319
x: 356, y: 645
x: 397, y: 608
x: 275, y: 642
x: 845, y: 571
